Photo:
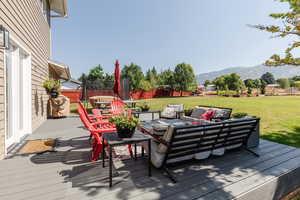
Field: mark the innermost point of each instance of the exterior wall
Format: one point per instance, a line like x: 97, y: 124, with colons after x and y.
x: 2, y: 113
x: 28, y: 26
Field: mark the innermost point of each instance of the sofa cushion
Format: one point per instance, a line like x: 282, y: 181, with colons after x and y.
x: 169, y: 112
x: 222, y: 113
x: 208, y: 115
x: 198, y: 111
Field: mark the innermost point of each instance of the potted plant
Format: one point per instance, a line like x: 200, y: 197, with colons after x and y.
x: 188, y: 112
x: 125, y: 125
x: 239, y: 115
x: 144, y: 107
x: 52, y: 87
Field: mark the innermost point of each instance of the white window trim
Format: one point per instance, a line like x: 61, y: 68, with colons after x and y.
x: 29, y: 54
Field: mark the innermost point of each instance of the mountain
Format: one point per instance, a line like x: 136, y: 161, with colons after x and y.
x: 252, y: 72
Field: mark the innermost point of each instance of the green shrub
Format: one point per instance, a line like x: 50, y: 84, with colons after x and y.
x: 239, y: 115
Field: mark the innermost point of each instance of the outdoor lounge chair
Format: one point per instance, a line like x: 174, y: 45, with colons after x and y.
x: 92, y: 118
x: 182, y: 143
x: 117, y: 108
x: 96, y: 129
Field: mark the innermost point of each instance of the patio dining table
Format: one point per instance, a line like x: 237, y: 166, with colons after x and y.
x: 104, y: 104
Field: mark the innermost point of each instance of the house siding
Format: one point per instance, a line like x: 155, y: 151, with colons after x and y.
x: 28, y: 26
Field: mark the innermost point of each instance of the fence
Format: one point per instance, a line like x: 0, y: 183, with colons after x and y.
x: 75, y: 95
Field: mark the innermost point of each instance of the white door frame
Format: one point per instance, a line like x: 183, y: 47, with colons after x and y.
x: 13, y: 78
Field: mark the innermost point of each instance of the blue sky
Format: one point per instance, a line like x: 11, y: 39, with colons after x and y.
x: 209, y: 35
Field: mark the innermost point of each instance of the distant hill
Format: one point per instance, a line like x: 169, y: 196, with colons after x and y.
x: 252, y: 72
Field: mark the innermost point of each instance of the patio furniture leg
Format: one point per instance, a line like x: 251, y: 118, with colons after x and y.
x: 149, y: 158
x: 130, y: 150
x: 250, y: 151
x: 90, y: 138
x: 153, y: 116
x: 103, y: 153
x: 170, y: 175
x: 110, y: 166
x: 135, y: 152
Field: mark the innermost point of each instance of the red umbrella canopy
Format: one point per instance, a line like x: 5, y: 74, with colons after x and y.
x: 117, y: 85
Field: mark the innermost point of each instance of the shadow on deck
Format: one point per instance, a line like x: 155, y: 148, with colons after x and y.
x: 69, y: 174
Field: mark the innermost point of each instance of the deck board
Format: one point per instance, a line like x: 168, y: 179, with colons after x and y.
x: 68, y: 174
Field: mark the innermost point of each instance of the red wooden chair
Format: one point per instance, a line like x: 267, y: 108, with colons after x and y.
x: 118, y: 108
x: 96, y: 129
x: 91, y: 118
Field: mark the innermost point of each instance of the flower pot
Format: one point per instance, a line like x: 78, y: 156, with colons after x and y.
x: 54, y: 94
x: 188, y: 112
x: 145, y: 109
x: 125, y: 133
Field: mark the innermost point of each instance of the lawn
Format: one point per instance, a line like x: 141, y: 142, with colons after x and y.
x: 280, y: 116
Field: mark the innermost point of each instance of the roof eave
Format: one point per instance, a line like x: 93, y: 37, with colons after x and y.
x: 59, y: 7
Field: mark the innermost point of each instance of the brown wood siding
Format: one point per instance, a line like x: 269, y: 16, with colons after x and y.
x: 27, y: 24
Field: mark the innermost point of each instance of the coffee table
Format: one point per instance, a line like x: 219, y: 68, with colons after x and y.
x: 138, y: 113
x: 113, y: 139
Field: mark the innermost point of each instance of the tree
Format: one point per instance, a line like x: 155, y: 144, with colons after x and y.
x: 185, y: 77
x: 206, y: 83
x: 290, y: 27
x: 96, y: 73
x: 296, y: 78
x: 145, y: 85
x: 268, y: 78
x: 152, y: 77
x: 257, y: 83
x: 284, y: 83
x: 263, y: 86
x: 134, y: 74
x: 297, y: 84
x: 97, y: 79
x: 249, y: 83
x: 219, y: 83
x: 234, y: 82
x: 167, y: 79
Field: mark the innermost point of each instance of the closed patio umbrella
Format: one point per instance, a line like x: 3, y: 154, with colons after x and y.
x: 117, y: 84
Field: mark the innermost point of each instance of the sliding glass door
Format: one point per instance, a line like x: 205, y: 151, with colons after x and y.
x: 18, y: 94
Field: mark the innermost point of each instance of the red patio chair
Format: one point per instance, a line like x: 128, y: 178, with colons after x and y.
x: 93, y: 118
x: 96, y: 129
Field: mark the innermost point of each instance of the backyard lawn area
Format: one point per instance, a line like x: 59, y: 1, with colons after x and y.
x: 280, y: 116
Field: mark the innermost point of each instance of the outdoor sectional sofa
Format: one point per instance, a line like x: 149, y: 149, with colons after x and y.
x: 221, y: 114
x: 184, y: 141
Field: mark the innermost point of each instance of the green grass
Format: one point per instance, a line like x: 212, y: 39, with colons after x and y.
x: 280, y: 116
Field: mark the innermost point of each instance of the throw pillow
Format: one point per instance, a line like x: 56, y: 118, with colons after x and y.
x: 198, y: 111
x: 169, y: 112
x: 208, y: 115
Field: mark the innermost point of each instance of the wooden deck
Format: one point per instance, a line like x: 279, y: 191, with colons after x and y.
x: 68, y: 174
